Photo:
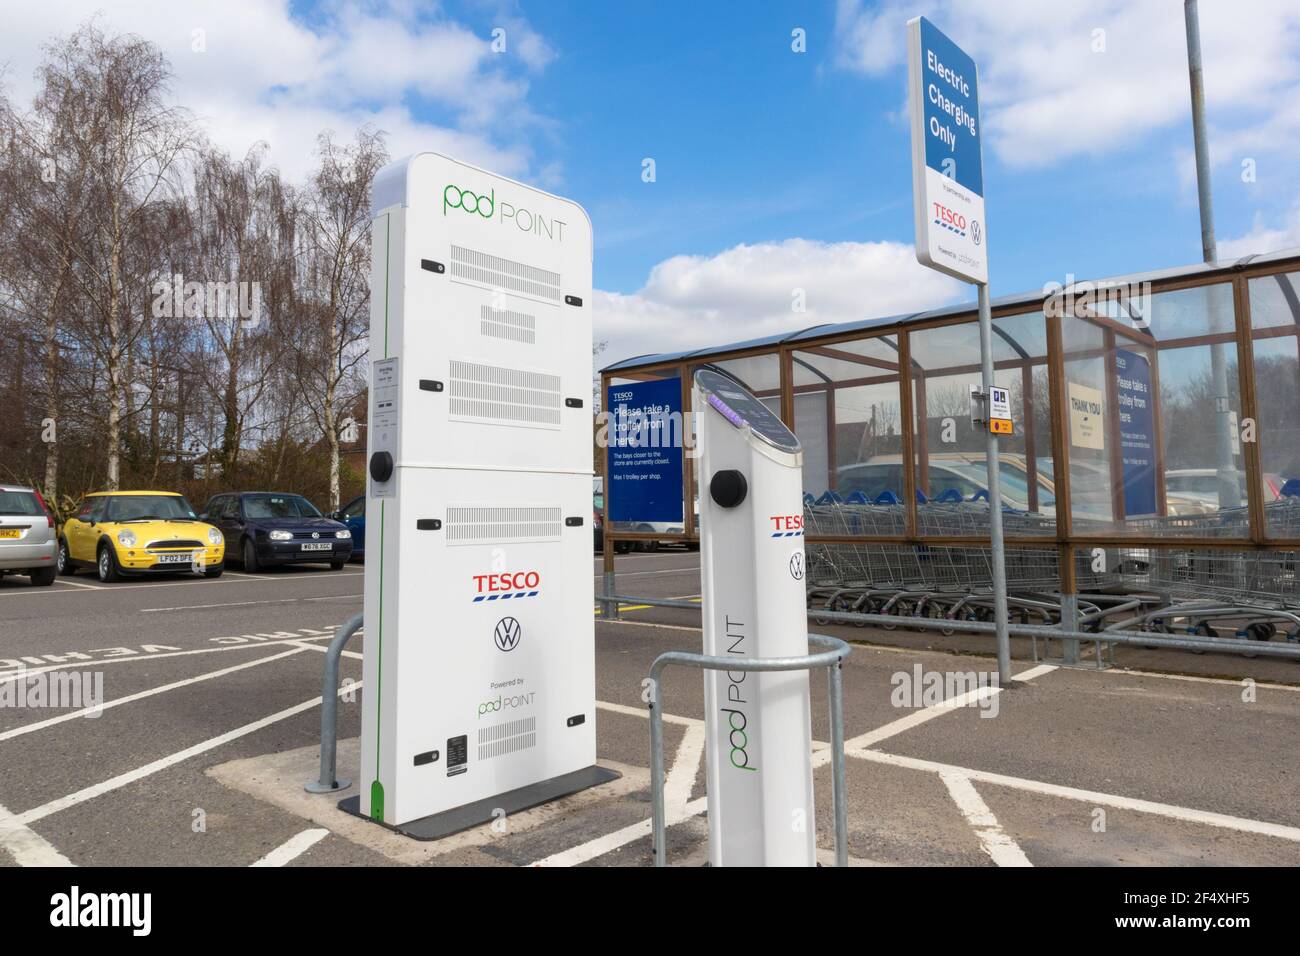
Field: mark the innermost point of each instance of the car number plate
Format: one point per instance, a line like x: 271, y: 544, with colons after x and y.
x: 318, y: 546
x: 10, y: 533
x: 174, y: 558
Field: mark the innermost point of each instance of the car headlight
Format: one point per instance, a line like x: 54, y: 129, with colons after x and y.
x: 126, y: 538
x: 345, y: 533
x: 215, y: 536
x: 281, y: 536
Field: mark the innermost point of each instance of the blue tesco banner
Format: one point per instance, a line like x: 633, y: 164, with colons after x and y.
x: 1136, y: 432
x: 644, y: 477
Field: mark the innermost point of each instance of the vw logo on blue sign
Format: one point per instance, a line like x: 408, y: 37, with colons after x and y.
x: 507, y: 634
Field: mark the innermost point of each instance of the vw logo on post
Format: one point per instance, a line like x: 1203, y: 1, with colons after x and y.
x: 796, y: 565
x: 507, y: 634
x: 976, y: 233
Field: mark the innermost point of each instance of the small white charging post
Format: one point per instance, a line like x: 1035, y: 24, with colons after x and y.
x: 757, y: 724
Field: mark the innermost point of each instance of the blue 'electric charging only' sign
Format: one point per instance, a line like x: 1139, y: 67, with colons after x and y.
x: 947, y: 166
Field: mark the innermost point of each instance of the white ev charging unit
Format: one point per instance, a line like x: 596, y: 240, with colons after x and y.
x: 479, y: 693
x: 758, y: 728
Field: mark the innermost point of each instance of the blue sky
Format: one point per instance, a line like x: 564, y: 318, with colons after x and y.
x: 776, y: 171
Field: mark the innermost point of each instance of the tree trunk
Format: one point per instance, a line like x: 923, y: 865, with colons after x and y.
x: 331, y: 415
x: 230, y: 400
x: 113, y: 432
x: 52, y: 398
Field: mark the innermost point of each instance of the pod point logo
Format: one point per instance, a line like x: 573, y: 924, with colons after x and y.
x: 502, y: 702
x: 486, y: 206
x: 507, y: 634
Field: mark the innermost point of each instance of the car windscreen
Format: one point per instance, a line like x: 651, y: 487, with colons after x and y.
x: 279, y: 506
x: 19, y: 503
x: 146, y: 507
x: 1014, y: 483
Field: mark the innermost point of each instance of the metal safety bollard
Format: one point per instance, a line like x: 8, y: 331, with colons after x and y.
x: 329, y: 710
x: 831, y: 660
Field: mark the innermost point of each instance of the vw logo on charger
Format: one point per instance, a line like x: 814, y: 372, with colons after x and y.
x: 507, y: 634
x: 796, y: 565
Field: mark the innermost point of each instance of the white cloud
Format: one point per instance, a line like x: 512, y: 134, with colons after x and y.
x: 1046, y: 95
x: 267, y: 76
x: 747, y: 292
x: 1262, y: 238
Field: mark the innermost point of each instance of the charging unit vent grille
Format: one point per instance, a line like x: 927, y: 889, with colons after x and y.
x: 472, y: 524
x: 504, y: 274
x: 507, y: 738
x: 504, y: 324
x: 507, y: 395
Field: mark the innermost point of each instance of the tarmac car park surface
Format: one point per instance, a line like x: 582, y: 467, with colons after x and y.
x: 211, y: 719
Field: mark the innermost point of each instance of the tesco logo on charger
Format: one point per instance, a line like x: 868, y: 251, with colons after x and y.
x: 950, y: 218
x: 506, y: 585
x: 786, y: 526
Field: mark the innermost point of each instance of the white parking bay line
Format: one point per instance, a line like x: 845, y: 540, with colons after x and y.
x: 16, y: 675
x: 993, y: 839
x: 85, y: 711
x: 205, y: 607
x: 325, y: 650
x: 918, y: 717
x: 79, y: 584
x: 686, y: 766
x: 131, y: 776
x: 25, y: 845
x: 598, y: 847
x: 293, y: 848
x: 1174, y: 812
x: 645, y: 713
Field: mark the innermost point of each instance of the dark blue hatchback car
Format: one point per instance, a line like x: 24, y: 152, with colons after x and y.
x: 353, y: 514
x: 263, y: 529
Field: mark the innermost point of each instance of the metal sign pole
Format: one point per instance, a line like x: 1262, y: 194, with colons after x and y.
x: 952, y: 237
x: 995, y: 497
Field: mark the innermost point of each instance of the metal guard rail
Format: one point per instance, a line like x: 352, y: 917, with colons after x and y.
x: 1151, y: 638
x: 830, y: 659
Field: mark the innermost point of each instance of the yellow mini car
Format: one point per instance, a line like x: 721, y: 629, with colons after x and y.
x: 139, y: 532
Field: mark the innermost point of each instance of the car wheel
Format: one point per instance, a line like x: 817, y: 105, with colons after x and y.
x: 65, y: 560
x: 646, y: 547
x: 337, y: 565
x: 43, y: 577
x: 250, y: 557
x: 107, y: 565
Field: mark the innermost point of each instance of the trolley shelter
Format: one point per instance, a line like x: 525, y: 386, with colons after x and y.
x: 1153, y: 464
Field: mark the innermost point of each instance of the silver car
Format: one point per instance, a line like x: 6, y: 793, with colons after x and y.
x: 27, y: 543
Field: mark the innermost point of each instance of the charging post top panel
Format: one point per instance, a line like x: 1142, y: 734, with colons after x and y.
x: 495, y: 329
x: 739, y: 406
